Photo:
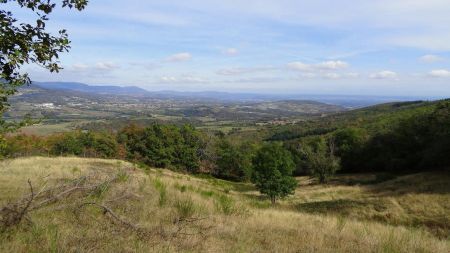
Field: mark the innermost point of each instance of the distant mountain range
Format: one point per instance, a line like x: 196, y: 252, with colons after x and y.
x: 101, y: 90
x: 349, y: 101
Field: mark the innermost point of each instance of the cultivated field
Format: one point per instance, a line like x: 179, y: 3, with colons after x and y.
x: 93, y: 205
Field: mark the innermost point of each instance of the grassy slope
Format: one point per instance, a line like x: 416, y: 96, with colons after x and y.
x: 340, y: 217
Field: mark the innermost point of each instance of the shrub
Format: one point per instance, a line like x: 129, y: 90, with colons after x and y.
x: 162, y: 189
x: 185, y: 208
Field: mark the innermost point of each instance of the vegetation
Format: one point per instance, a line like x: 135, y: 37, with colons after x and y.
x: 273, y: 167
x: 397, y: 202
x: 22, y: 44
x: 163, y: 146
x: 321, y: 160
x: 233, y: 162
x: 404, y: 214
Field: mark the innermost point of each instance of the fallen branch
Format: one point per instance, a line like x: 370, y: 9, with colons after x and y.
x: 107, y: 210
x: 12, y: 215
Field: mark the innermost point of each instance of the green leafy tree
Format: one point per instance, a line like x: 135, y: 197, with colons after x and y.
x: 273, y: 168
x: 349, y: 145
x: 230, y: 161
x: 22, y: 44
x: 164, y: 146
x: 321, y: 161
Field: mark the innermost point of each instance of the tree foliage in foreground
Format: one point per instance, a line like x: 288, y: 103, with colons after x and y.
x: 273, y: 168
x: 26, y: 43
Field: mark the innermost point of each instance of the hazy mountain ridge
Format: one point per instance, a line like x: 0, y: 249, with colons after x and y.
x: 349, y: 101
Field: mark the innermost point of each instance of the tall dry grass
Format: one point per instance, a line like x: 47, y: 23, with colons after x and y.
x: 212, y: 215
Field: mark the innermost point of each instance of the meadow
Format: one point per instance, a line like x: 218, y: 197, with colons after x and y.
x: 136, y: 209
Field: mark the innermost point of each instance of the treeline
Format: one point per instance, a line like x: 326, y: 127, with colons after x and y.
x: 166, y: 146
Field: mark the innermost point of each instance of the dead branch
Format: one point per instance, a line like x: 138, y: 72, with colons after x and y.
x: 12, y: 215
x: 107, y: 210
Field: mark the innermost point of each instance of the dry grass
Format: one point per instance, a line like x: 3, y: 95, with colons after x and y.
x: 226, y: 217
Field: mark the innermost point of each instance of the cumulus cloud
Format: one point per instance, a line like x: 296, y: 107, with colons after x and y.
x: 105, y: 66
x: 335, y: 76
x: 332, y: 65
x: 241, y: 71
x: 299, y: 66
x: 385, y: 74
x: 180, y: 57
x: 430, y: 58
x: 439, y: 73
x: 230, y: 51
x: 327, y: 65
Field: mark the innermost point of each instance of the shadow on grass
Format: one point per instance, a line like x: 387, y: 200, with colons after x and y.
x: 339, y: 206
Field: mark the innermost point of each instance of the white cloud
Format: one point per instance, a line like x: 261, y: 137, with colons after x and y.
x: 79, y: 67
x: 145, y: 65
x: 299, y: 66
x: 335, y: 76
x: 186, y: 79
x: 307, y: 75
x: 352, y: 75
x: 241, y: 71
x: 332, y: 76
x: 106, y: 66
x: 231, y: 51
x: 385, y: 74
x: 332, y: 65
x: 180, y: 57
x: 327, y: 65
x: 439, y: 73
x: 257, y: 80
x: 430, y: 58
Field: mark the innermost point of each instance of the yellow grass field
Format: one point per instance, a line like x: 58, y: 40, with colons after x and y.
x: 155, y: 210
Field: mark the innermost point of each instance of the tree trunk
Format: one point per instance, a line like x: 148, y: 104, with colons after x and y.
x: 272, y: 199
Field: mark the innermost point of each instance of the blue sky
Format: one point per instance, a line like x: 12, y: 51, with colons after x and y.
x: 367, y: 47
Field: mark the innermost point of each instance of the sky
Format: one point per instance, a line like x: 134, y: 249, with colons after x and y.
x: 364, y: 47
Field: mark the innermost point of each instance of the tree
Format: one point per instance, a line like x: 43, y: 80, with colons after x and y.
x: 349, y: 146
x: 321, y: 160
x: 273, y: 168
x: 23, y: 44
x: 163, y: 146
x: 232, y: 162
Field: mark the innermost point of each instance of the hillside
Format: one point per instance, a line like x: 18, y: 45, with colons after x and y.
x: 373, y: 118
x: 119, y: 207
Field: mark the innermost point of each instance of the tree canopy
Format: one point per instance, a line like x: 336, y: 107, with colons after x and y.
x: 273, y: 168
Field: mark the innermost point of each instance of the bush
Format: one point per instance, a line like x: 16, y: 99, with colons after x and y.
x: 225, y: 204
